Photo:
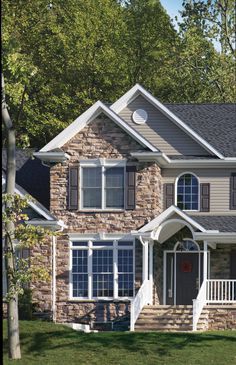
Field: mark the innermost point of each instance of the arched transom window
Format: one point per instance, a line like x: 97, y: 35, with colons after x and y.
x: 188, y: 192
x: 186, y: 245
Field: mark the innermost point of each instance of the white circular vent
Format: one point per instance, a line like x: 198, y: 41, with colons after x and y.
x: 139, y: 116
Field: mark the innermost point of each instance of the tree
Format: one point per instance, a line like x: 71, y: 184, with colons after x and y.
x: 15, y: 231
x: 211, y: 73
x: 20, y: 271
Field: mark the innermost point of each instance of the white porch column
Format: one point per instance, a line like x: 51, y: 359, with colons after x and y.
x: 145, y: 261
x: 205, y: 262
x: 151, y: 270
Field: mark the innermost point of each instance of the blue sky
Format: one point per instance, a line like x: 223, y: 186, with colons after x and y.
x: 172, y: 7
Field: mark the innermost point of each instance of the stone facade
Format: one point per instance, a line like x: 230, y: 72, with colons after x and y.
x: 220, y: 262
x: 100, y: 139
x: 221, y: 317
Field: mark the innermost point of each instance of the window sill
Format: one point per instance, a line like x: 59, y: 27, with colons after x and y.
x: 84, y: 300
x: 101, y: 210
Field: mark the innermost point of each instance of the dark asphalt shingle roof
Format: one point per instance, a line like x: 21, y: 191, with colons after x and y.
x: 222, y: 223
x: 31, y: 175
x: 216, y: 123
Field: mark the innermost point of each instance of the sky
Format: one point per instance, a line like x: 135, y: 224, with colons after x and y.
x: 172, y: 7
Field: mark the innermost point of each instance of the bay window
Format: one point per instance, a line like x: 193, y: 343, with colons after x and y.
x: 102, y: 269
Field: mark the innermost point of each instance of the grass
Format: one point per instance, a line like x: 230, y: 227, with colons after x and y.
x: 53, y: 344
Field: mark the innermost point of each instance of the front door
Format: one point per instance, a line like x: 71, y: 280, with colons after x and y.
x: 187, y: 277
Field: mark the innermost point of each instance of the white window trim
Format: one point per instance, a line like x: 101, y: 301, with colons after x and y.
x: 90, y: 247
x: 176, y: 189
x: 103, y: 163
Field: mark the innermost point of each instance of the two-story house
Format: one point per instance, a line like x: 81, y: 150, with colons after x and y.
x: 147, y: 195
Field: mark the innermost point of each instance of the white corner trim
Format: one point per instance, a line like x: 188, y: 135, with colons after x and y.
x: 138, y: 89
x: 166, y: 215
x: 85, y: 118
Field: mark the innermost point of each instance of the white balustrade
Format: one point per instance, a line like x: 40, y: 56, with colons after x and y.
x: 213, y: 292
x: 221, y: 291
x: 198, y: 304
x: 143, y: 297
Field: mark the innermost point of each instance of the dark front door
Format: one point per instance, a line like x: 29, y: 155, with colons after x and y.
x: 187, y: 277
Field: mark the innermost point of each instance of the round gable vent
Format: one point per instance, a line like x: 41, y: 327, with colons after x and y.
x: 139, y: 116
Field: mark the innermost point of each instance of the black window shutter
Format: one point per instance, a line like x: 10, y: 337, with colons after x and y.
x: 130, y: 187
x: 168, y: 195
x: 233, y: 191
x: 73, y: 188
x: 205, y: 197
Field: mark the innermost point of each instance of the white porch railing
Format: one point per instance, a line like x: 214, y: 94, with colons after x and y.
x: 213, y: 292
x: 198, y: 304
x: 143, y: 297
x: 221, y: 291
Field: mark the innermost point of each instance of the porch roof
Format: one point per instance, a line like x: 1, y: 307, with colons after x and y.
x: 173, y: 219
x: 223, y: 223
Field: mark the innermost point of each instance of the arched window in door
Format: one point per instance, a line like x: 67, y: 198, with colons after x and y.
x: 187, y: 192
x: 187, y: 245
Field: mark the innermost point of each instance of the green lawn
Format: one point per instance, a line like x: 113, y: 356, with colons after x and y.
x: 46, y: 343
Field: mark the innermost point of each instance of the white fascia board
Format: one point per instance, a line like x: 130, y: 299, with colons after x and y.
x: 202, y: 163
x: 159, y: 157
x: 86, y: 118
x: 99, y: 236
x: 138, y: 89
x: 52, y: 156
x: 220, y: 237
x: 54, y: 225
x: 167, y: 214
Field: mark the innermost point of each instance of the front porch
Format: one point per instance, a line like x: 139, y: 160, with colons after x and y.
x: 184, y: 265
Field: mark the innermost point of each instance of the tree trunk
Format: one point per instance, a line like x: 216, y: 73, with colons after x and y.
x: 13, y: 321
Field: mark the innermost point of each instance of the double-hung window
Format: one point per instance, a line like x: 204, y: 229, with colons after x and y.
x: 102, y: 184
x: 187, y: 197
x: 102, y: 269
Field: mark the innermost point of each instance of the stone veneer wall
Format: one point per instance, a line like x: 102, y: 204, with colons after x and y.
x: 100, y: 139
x: 221, y: 318
x: 220, y: 261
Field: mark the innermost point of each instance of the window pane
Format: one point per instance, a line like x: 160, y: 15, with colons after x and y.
x: 114, y: 177
x: 92, y: 177
x: 187, y: 192
x: 102, y: 273
x: 79, y: 273
x: 92, y: 198
x: 114, y: 198
x: 125, y: 273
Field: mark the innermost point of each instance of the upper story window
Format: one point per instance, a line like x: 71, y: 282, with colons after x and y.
x: 187, y: 192
x: 102, y: 184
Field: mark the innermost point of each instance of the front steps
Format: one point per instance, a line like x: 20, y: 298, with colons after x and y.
x: 169, y: 318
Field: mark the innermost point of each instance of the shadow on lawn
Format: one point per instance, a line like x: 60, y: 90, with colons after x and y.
x: 161, y: 344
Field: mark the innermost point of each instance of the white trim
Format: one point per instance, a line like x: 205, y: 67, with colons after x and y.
x: 165, y: 215
x: 54, y: 279
x: 187, y: 239
x: 89, y: 247
x: 52, y: 156
x: 174, y: 252
x: 103, y: 164
x: 88, y: 116
x: 137, y: 90
x: 55, y: 225
x: 176, y: 189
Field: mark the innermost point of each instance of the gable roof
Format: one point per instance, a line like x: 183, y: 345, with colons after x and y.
x: 139, y: 90
x: 31, y: 175
x: 89, y: 115
x: 216, y: 123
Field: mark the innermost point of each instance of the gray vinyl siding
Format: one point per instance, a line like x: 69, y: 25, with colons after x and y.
x: 219, y: 180
x: 161, y: 131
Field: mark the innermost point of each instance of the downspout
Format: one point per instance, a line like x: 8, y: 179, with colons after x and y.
x: 54, y: 278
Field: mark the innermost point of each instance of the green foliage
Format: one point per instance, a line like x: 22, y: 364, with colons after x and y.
x: 59, y: 60
x: 24, y: 236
